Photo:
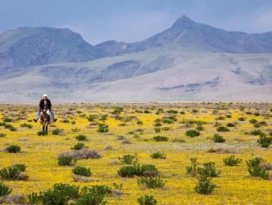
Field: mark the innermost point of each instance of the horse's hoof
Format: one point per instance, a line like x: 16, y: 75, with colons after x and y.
x: 35, y: 120
x: 55, y: 120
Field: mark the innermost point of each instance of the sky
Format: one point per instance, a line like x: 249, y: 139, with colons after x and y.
x: 134, y: 20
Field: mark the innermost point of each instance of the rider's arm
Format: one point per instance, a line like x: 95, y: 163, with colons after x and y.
x: 49, y: 105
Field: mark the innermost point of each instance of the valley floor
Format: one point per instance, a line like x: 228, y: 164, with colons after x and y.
x: 131, y: 130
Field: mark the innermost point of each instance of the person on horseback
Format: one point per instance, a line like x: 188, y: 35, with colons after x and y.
x: 45, y: 104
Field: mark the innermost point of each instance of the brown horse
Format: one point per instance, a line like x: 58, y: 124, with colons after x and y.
x: 45, y: 120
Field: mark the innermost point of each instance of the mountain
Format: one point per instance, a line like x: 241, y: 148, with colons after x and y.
x: 25, y: 47
x: 188, y: 61
x: 192, y: 36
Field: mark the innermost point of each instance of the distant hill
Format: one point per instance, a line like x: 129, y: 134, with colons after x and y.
x: 25, y: 46
x: 188, y: 61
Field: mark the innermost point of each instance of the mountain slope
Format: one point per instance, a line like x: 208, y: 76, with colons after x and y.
x: 36, y: 46
x: 192, y: 36
x: 188, y: 61
x: 189, y: 76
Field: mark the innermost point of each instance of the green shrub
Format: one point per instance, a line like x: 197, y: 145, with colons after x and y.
x: 157, y: 129
x: 103, y: 128
x: 10, y: 173
x: 253, y: 121
x: 66, y: 161
x: 172, y: 111
x: 230, y: 124
x: 192, y: 169
x: 97, y: 190
x: 20, y: 167
x: 2, y: 135
x: 65, y: 121
x: 204, y: 185
x: 60, y: 194
x: 147, y: 200
x: 13, y: 149
x: 90, y: 199
x: 41, y: 133
x: 264, y: 140
x: 92, y: 118
x: 208, y: 169
x: 81, y: 137
x: 64, y: 194
x: 231, y: 161
x: 128, y: 159
x: 138, y: 170
x: 169, y: 120
x: 151, y: 182
x: 218, y: 138
x: 241, y: 118
x: 71, y: 191
x: 199, y: 127
x: 117, y: 110
x: 192, y: 133
x: 255, y: 169
x: 7, y: 119
x: 257, y: 132
x: 222, y: 129
x: 82, y: 171
x: 160, y: 138
x: 78, y: 146
x: 93, y: 195
x: 57, y: 131
x: 26, y: 125
x: 10, y: 127
x: 158, y: 155
x: 4, y: 189
x: 75, y: 129
x: 139, y: 122
x: 103, y: 117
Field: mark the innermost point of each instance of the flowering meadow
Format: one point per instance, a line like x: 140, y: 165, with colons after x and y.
x: 169, y: 154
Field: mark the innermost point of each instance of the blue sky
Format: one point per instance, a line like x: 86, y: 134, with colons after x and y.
x: 134, y: 20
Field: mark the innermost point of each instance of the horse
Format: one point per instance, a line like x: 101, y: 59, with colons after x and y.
x: 45, y: 120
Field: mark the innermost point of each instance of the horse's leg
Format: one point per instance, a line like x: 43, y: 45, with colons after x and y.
x: 46, y: 127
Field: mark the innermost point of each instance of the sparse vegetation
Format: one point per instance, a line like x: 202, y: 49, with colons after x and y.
x: 218, y: 138
x: 147, y: 200
x: 131, y: 158
x: 151, y: 182
x: 128, y: 159
x: 138, y: 170
x: 13, y: 149
x: 66, y: 161
x: 159, y: 138
x: 158, y: 155
x: 192, y: 133
x: 82, y: 171
x: 255, y: 169
x: 231, y: 161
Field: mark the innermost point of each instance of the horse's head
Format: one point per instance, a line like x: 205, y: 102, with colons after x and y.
x: 44, y: 112
x: 44, y: 116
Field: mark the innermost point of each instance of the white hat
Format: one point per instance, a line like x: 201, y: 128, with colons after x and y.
x: 44, y: 95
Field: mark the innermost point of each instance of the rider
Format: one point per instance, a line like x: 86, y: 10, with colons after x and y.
x: 45, y: 104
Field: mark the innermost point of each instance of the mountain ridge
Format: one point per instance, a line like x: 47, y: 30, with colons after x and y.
x: 187, y: 61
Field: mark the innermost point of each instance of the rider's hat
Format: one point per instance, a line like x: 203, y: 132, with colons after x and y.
x: 44, y: 95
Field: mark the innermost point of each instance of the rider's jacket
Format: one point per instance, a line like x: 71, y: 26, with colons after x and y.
x: 45, y: 104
